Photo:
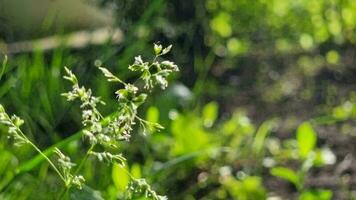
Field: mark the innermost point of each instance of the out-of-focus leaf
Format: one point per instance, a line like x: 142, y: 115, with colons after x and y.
x: 136, y: 170
x: 306, y: 138
x: 239, y: 124
x: 261, y: 135
x: 5, y: 163
x: 4, y: 62
x: 152, y: 114
x: 8, y: 162
x: 343, y: 111
x: 286, y: 174
x: 189, y: 135
x: 120, y: 177
x: 210, y: 113
x: 316, y: 195
x: 249, y: 188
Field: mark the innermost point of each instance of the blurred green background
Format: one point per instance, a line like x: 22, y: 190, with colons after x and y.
x: 264, y: 105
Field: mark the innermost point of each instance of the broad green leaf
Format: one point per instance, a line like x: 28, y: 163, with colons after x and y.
x: 189, y: 135
x: 120, y: 177
x: 152, y: 114
x: 210, y: 113
x: 306, y: 138
x: 222, y: 24
x: 136, y: 170
x: 286, y: 174
x: 316, y: 195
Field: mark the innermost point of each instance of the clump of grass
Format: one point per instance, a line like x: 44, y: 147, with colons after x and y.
x: 104, y: 133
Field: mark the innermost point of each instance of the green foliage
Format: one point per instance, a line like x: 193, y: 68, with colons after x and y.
x: 262, y: 134
x: 210, y: 113
x: 253, y: 71
x: 120, y: 178
x: 306, y: 138
x: 193, y: 127
x: 152, y: 114
x: 286, y: 174
x: 109, y: 134
x: 248, y: 188
x: 316, y: 194
x: 4, y: 62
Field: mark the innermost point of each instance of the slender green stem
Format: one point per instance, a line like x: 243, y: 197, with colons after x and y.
x: 82, y: 162
x: 41, y: 153
x: 154, y: 60
x: 64, y: 193
x: 29, y: 165
x: 48, y: 160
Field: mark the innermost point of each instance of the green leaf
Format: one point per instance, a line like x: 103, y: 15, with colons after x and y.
x: 210, y: 113
x: 4, y: 62
x: 120, y: 177
x: 8, y: 162
x: 250, y: 187
x: 286, y: 174
x: 152, y: 114
x: 136, y: 170
x: 261, y: 135
x: 306, y: 138
x: 189, y: 135
x: 316, y: 195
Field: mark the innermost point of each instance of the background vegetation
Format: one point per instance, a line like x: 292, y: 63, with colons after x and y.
x: 263, y: 106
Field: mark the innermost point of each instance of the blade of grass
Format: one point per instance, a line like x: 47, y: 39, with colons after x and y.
x: 181, y: 159
x: 29, y: 165
x: 4, y: 63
